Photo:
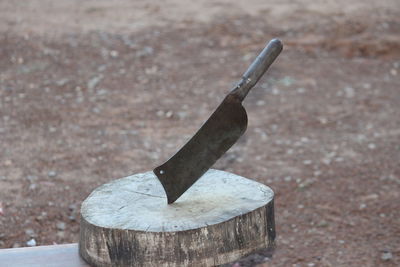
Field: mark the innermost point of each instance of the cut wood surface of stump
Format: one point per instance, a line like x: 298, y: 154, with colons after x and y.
x: 221, y: 218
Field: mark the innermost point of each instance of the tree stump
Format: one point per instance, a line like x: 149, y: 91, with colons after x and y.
x: 220, y: 219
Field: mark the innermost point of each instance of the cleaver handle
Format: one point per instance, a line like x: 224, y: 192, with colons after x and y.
x: 257, y: 68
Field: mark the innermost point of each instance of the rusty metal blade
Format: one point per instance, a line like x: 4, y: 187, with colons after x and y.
x: 214, y: 138
x: 217, y: 135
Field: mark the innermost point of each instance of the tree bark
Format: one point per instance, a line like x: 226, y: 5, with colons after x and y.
x: 221, y: 218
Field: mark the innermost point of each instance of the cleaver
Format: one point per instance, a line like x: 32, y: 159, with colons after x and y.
x: 218, y: 133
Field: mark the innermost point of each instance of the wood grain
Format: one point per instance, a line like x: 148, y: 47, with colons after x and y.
x: 221, y: 218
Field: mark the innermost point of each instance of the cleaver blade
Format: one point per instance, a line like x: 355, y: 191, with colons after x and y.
x: 219, y: 133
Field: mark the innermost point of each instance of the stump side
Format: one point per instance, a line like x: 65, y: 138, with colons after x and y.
x: 237, y: 233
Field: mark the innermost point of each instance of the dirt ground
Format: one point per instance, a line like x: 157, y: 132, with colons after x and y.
x: 91, y: 91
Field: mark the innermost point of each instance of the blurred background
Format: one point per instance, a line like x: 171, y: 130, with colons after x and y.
x: 95, y: 90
